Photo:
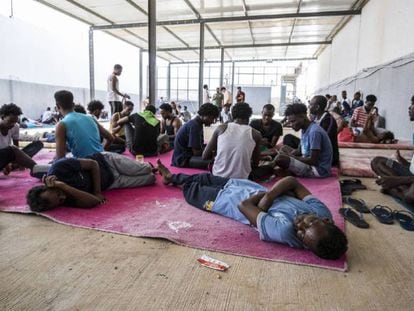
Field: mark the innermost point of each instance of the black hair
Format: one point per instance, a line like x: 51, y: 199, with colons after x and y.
x: 48, y: 108
x: 79, y: 109
x: 64, y: 99
x: 412, y: 98
x: 358, y: 93
x: 241, y: 111
x: 295, y: 109
x: 35, y: 200
x: 10, y: 109
x: 371, y: 98
x: 387, y: 135
x: 222, y: 88
x: 117, y: 66
x: 95, y: 105
x: 328, y: 96
x: 239, y: 87
x: 269, y: 107
x: 333, y: 244
x: 208, y: 110
x: 205, y: 86
x: 321, y: 101
x: 151, y: 108
x: 166, y: 107
x: 129, y: 103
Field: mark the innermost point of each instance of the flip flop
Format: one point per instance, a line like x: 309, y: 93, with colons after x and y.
x: 405, y: 219
x: 358, y: 204
x: 353, y: 218
x: 384, y: 214
x: 354, y: 184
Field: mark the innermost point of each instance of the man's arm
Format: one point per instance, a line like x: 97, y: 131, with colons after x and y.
x: 114, y: 88
x: 257, y: 137
x: 312, y: 160
x: 211, y: 147
x: 401, y: 159
x: 114, y: 124
x: 176, y: 124
x: 250, y: 209
x: 60, y: 137
x: 281, y: 187
x: 93, y: 167
x: 123, y: 121
x: 389, y: 182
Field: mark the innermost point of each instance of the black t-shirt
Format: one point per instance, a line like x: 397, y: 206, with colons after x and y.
x: 274, y: 129
x: 328, y: 123
x: 145, y: 136
x: 69, y: 171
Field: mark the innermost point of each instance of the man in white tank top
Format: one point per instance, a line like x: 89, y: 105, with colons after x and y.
x: 114, y: 95
x: 235, y: 145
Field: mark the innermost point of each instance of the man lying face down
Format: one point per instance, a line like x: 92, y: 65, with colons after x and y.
x: 80, y: 182
x: 287, y: 213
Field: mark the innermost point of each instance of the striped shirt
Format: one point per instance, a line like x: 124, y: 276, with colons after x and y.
x: 359, y: 117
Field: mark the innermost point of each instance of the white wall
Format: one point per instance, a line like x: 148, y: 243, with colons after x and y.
x: 383, y: 32
x: 42, y: 46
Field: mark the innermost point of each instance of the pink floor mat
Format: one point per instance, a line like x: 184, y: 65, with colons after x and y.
x: 160, y: 212
x: 357, y: 162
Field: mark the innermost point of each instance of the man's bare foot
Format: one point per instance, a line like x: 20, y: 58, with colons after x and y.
x: 165, y: 173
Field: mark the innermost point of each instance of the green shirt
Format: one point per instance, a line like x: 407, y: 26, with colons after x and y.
x: 218, y: 99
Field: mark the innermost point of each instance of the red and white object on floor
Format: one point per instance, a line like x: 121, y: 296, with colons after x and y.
x: 212, y: 263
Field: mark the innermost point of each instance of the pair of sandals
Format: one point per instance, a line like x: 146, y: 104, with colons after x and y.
x: 383, y: 214
x: 350, y: 185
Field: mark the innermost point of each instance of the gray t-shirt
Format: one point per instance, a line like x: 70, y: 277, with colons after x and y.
x: 12, y: 134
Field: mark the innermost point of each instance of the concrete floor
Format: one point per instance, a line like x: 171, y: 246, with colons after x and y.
x: 49, y: 266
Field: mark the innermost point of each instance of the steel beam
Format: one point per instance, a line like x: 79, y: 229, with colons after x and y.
x: 141, y: 77
x: 201, y: 66
x: 232, y: 79
x: 221, y: 67
x: 169, y: 82
x: 249, y: 60
x: 91, y: 66
x: 242, y: 46
x: 152, y: 50
x: 232, y: 19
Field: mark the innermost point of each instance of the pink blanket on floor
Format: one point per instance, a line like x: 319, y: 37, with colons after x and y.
x: 159, y: 211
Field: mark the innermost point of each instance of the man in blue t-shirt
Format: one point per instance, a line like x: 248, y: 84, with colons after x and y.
x: 287, y: 213
x: 313, y: 158
x: 76, y: 131
x: 189, y: 141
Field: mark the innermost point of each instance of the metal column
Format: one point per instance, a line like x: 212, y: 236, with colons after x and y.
x: 169, y: 82
x: 232, y: 78
x: 152, y: 49
x: 91, y: 66
x: 141, y: 78
x: 222, y: 67
x: 201, y: 66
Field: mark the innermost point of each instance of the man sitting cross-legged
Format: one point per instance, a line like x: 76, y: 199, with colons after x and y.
x: 313, y: 158
x: 79, y: 182
x: 396, y: 177
x: 287, y: 213
x: 235, y: 145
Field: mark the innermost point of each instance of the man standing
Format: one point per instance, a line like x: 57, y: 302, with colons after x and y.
x: 346, y: 107
x: 270, y: 129
x: 314, y: 157
x: 206, y: 94
x: 240, y: 96
x: 218, y: 99
x: 114, y: 95
x: 235, y: 145
x: 227, y: 99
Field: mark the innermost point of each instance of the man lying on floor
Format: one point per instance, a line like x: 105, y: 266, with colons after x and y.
x: 80, y: 182
x: 287, y: 213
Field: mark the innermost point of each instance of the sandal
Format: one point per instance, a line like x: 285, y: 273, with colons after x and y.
x: 383, y: 213
x: 353, y: 218
x: 349, y: 185
x: 358, y: 204
x: 405, y: 219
